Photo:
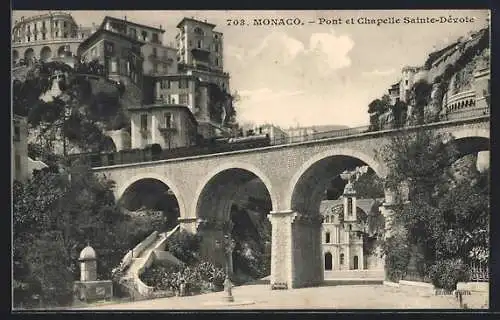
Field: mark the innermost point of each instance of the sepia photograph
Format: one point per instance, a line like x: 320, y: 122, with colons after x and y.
x: 250, y: 160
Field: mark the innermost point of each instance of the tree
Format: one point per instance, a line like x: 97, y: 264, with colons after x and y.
x: 54, y: 219
x: 447, y: 216
x: 77, y: 115
x: 376, y: 108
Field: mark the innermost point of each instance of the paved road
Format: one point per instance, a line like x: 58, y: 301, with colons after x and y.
x: 327, y: 297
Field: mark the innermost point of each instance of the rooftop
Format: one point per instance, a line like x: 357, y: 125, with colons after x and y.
x: 108, y: 18
x: 184, y: 20
x: 103, y: 32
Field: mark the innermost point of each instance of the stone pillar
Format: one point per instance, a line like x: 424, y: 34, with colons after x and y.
x: 362, y: 258
x: 306, y: 251
x: 296, y: 257
x: 88, y: 270
x: 347, y: 254
x: 387, y: 211
x: 281, y: 248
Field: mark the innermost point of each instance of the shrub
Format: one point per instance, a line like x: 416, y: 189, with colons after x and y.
x: 397, y: 257
x: 185, y: 246
x: 445, y: 274
x: 201, y: 277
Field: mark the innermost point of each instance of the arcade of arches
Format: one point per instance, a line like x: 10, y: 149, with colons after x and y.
x: 293, y: 198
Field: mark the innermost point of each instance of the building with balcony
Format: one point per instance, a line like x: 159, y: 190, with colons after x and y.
x: 196, y: 94
x: 158, y: 58
x: 343, y: 230
x: 49, y: 36
x: 200, y: 51
x: 169, y: 125
x: 119, y: 54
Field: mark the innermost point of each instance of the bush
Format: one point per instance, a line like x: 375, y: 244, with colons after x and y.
x: 201, y: 277
x: 445, y: 274
x: 185, y: 246
x: 397, y: 257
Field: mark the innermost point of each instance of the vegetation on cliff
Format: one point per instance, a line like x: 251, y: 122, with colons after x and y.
x: 80, y: 114
x: 446, y: 220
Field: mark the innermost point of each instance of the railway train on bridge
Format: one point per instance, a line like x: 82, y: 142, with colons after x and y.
x: 154, y: 152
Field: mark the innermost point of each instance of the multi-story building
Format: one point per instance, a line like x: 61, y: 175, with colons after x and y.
x: 189, y: 90
x: 275, y: 133
x: 200, y: 52
x: 343, y: 232
x: 158, y: 58
x: 120, y: 55
x: 171, y: 126
x: 300, y: 134
x: 48, y: 36
x: 407, y: 81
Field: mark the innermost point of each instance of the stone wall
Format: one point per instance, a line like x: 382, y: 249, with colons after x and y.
x: 307, y: 267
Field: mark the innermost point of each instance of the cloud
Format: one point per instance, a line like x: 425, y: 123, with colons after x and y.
x: 334, y: 49
x: 378, y: 73
x: 281, y: 49
x: 281, y: 46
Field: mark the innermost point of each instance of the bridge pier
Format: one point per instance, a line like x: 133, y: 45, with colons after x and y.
x: 296, y: 256
x: 188, y: 224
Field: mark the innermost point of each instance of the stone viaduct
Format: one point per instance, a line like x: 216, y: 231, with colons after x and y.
x: 295, y: 176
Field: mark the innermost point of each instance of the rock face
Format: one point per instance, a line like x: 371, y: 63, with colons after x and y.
x: 252, y: 231
x: 433, y: 110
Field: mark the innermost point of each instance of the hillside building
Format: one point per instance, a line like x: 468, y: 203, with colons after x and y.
x: 158, y: 58
x: 47, y: 37
x: 169, y: 125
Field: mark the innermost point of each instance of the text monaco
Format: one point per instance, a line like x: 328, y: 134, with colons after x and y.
x: 266, y: 22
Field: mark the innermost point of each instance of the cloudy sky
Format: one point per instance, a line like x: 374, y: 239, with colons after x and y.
x: 311, y: 74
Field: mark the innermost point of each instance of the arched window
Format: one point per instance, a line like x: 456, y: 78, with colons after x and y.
x: 327, y: 219
x: 350, y: 227
x: 355, y: 263
x: 341, y: 258
x: 327, y: 237
x: 328, y: 261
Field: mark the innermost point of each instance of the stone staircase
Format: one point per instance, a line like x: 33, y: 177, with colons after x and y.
x: 139, y: 259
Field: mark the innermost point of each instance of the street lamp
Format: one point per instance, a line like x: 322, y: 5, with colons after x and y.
x: 228, y: 244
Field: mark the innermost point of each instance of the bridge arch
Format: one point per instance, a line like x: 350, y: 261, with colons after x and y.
x: 232, y: 166
x: 315, y: 168
x: 150, y: 175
